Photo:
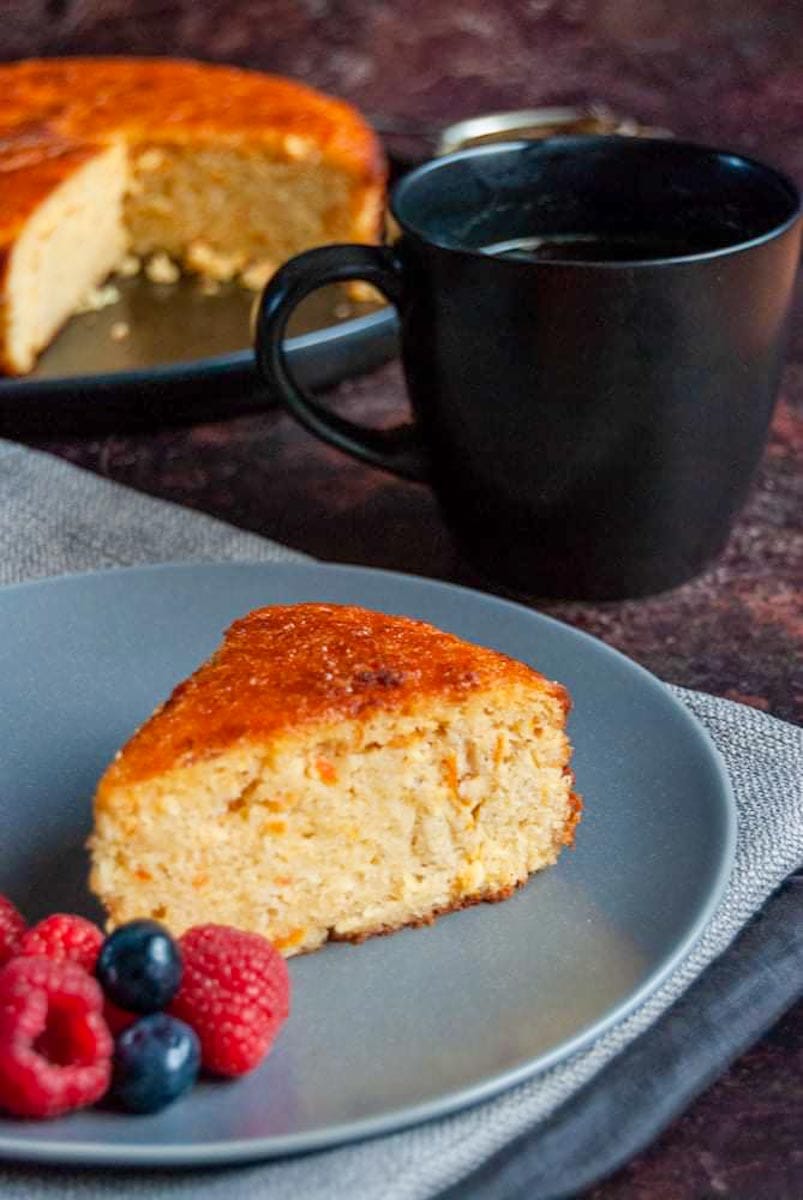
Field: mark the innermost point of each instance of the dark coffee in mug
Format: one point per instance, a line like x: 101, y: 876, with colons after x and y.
x: 592, y: 332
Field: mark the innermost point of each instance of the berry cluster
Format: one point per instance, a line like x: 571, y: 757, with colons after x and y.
x: 134, y: 1016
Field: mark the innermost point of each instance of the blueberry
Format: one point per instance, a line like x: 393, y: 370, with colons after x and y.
x: 139, y: 967
x: 156, y: 1060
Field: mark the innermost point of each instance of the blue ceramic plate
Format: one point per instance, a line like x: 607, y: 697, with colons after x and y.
x: 402, y: 1028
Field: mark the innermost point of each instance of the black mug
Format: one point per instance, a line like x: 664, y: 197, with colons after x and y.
x: 592, y: 332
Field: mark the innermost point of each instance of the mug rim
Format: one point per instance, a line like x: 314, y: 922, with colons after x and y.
x: 697, y: 149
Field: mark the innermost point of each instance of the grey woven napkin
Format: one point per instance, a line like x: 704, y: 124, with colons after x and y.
x: 55, y: 518
x: 557, y: 1132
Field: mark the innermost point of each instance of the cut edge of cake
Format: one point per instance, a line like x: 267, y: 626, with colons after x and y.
x: 72, y: 240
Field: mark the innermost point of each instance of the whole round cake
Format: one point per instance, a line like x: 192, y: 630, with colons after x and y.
x: 193, y: 166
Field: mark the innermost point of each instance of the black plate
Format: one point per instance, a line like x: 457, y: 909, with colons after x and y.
x: 186, y: 358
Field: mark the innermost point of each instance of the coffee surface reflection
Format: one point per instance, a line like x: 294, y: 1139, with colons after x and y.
x: 596, y: 248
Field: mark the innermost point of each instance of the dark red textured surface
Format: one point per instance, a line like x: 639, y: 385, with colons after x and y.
x: 722, y: 71
x: 55, y: 1049
x: 64, y: 936
x: 238, y: 1017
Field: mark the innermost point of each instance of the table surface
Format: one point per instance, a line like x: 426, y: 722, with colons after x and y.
x: 714, y: 70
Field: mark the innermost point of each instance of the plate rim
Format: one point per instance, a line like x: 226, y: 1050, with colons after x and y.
x: 150, y: 1155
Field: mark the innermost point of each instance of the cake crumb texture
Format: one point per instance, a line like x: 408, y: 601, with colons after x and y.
x: 333, y: 773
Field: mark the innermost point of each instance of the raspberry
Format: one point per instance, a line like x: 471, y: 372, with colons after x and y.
x: 12, y: 927
x: 55, y: 1049
x: 235, y: 993
x: 64, y: 936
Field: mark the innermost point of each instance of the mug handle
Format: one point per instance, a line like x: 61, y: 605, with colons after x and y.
x: 400, y: 450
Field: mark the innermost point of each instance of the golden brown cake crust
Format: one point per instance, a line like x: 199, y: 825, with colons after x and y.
x: 288, y: 665
x: 55, y: 112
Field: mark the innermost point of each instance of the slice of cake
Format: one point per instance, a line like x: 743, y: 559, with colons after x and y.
x: 333, y: 772
x: 225, y: 172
